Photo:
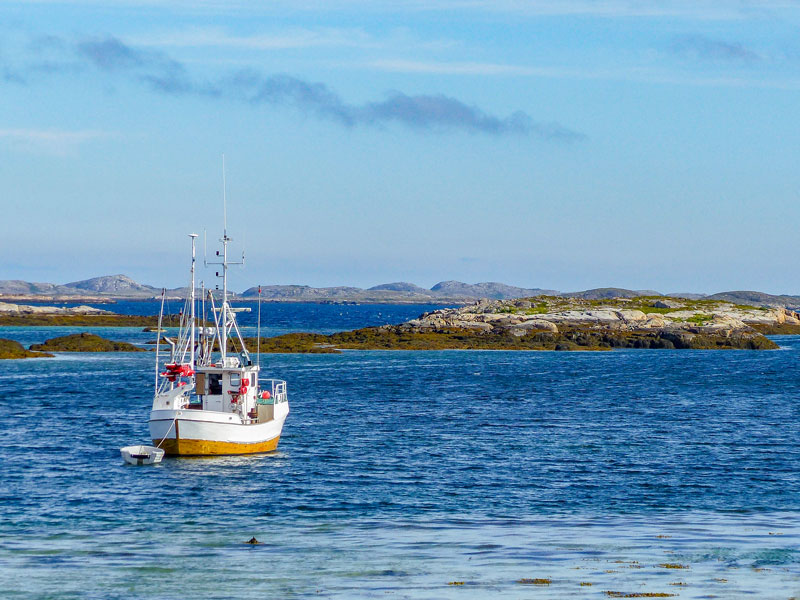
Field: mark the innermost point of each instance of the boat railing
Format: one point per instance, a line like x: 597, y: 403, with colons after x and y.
x: 276, y: 389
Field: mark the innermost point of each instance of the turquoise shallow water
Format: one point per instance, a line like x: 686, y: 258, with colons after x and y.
x: 400, y: 472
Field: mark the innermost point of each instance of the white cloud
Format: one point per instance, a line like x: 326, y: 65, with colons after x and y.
x: 459, y: 68
x: 688, y: 9
x: 636, y: 73
x: 50, y: 141
x: 293, y: 38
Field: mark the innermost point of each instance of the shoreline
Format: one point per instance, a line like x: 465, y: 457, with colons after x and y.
x: 542, y: 323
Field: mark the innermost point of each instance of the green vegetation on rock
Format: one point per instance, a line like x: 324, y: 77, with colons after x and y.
x: 109, y: 320
x: 576, y: 338
x: 11, y: 349
x: 85, y: 342
x: 777, y: 328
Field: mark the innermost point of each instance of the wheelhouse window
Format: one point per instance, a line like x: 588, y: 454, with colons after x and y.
x: 215, y: 384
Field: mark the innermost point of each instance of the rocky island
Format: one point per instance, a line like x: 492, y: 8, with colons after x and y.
x: 84, y: 342
x: 559, y: 323
x: 9, y: 349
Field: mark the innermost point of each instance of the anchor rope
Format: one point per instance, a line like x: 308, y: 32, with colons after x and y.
x: 168, y: 430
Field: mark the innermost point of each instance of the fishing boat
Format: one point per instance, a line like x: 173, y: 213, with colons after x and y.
x: 209, y: 397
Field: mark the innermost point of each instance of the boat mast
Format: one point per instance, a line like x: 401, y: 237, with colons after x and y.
x: 158, y: 336
x: 191, y: 292
x: 226, y: 321
x: 223, y: 343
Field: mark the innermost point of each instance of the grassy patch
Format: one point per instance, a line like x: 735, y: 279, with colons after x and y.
x: 575, y: 338
x: 699, y: 319
x: 539, y: 309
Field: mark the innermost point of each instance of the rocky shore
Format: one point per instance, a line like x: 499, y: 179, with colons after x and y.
x: 32, y: 315
x: 7, y: 308
x: 557, y: 323
x: 620, y: 322
x: 538, y: 323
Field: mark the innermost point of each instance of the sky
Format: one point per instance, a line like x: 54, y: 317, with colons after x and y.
x: 563, y: 144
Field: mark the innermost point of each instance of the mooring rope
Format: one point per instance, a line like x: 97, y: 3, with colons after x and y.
x: 168, y: 430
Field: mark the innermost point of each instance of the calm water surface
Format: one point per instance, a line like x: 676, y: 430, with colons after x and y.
x: 401, y: 472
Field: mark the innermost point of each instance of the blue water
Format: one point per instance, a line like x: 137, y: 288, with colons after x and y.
x: 401, y: 472
x: 286, y: 317
x: 277, y: 318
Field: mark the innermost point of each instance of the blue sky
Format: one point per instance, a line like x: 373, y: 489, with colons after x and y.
x: 565, y: 145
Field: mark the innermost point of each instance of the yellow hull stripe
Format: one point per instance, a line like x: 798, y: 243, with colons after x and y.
x: 184, y: 447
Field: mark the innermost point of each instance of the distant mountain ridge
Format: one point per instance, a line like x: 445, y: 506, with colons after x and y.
x: 445, y: 292
x: 111, y: 286
x: 399, y: 286
x: 489, y: 289
x: 606, y: 293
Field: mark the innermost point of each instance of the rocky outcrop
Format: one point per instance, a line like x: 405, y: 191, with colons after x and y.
x: 666, y: 303
x: 618, y: 322
x: 553, y: 323
x: 24, y: 309
x: 85, y: 342
x: 9, y: 349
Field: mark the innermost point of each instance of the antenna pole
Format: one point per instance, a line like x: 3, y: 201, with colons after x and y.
x: 258, y: 332
x: 192, y: 341
x: 224, y: 308
x: 226, y: 323
x: 224, y: 201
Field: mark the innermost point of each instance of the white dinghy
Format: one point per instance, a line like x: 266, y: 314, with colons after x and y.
x: 141, y: 455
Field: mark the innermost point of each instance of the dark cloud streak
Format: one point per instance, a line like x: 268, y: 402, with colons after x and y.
x: 164, y: 75
x: 422, y: 112
x: 699, y: 46
x: 109, y: 54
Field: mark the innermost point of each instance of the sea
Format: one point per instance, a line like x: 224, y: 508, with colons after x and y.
x: 440, y: 474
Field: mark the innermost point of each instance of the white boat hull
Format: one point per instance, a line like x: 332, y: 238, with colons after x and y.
x: 205, y: 433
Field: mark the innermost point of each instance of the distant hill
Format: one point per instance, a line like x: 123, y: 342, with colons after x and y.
x: 606, y: 293
x: 756, y: 298
x: 113, y: 284
x: 300, y: 292
x: 109, y: 287
x: 400, y: 286
x: 687, y: 295
x: 15, y: 286
x: 378, y: 294
x: 490, y: 289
